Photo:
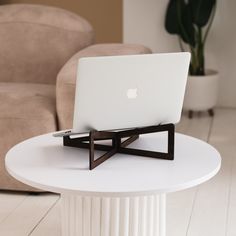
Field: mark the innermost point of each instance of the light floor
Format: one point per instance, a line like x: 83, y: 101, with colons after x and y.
x: 207, y: 210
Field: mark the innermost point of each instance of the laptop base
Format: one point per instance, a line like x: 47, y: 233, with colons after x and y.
x: 119, y: 146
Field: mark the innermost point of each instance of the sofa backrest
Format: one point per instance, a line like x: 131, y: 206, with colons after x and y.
x: 36, y: 41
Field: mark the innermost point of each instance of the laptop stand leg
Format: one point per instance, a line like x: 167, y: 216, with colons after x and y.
x: 89, y: 142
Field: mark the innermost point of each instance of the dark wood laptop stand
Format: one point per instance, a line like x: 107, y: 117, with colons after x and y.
x: 118, y: 146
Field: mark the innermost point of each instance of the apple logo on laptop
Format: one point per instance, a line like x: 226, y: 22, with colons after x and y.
x: 132, y: 93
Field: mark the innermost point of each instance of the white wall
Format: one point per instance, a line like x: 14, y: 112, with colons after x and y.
x: 143, y: 22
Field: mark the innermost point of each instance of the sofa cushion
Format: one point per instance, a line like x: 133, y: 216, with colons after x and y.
x: 36, y: 41
x: 26, y: 110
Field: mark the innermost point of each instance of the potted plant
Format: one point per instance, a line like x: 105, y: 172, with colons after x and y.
x: 191, y: 20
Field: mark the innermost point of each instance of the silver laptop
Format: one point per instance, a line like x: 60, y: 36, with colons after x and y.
x: 119, y: 92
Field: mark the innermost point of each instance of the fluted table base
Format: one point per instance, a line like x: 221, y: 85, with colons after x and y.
x: 113, y: 216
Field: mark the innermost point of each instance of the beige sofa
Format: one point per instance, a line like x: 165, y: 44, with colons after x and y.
x: 39, y: 50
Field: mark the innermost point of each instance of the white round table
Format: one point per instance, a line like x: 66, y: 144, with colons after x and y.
x: 124, y: 196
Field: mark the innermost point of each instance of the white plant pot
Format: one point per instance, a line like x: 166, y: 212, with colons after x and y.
x: 202, y: 91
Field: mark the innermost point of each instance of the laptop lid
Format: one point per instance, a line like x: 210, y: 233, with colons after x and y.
x: 118, y: 92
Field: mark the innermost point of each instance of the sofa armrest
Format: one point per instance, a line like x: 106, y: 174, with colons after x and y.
x: 66, y: 79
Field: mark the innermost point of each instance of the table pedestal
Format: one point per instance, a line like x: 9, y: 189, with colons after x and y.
x: 113, y: 216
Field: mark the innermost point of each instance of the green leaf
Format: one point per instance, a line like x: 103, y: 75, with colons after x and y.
x: 201, y: 11
x: 179, y: 21
x: 171, y: 20
x: 187, y: 30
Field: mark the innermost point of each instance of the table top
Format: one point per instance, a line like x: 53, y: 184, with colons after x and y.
x: 43, y: 162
